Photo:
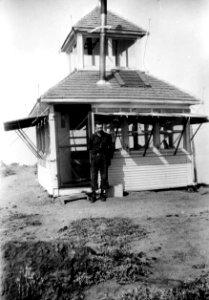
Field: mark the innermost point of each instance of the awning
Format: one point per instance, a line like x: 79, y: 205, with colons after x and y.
x: 152, y: 117
x: 23, y: 123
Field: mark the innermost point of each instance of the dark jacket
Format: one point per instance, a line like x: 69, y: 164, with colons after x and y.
x: 101, y: 143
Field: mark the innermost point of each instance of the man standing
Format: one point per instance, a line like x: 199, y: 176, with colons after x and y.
x: 101, y: 151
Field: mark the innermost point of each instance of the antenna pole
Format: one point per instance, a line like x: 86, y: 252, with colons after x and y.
x: 103, y: 11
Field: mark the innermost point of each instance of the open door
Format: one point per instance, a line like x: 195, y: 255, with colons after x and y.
x: 73, y: 154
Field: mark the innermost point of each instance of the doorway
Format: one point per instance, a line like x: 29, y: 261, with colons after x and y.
x: 72, y: 140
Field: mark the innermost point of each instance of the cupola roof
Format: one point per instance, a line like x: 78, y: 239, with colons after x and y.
x: 116, y: 25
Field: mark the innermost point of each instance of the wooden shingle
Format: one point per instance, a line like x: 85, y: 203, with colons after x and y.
x: 117, y: 23
x: 82, y: 84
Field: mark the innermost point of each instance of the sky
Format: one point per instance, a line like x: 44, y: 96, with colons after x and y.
x: 32, y: 33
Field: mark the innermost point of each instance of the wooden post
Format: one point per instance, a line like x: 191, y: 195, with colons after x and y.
x: 135, y: 135
x: 186, y: 137
x: 138, y: 54
x: 194, y: 156
x: 53, y: 149
x: 125, y: 134
x: 156, y: 135
x: 146, y: 134
x: 80, y: 51
x: 92, y: 122
x: 111, y: 62
x: 147, y: 144
x: 182, y: 134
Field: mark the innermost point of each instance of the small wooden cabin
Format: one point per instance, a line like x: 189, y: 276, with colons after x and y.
x: 149, y: 119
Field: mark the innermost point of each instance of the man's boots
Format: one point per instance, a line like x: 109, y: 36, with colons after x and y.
x: 103, y: 195
x: 93, y: 197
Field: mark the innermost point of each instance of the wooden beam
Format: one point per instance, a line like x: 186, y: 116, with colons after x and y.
x: 182, y: 133
x: 147, y: 144
x: 196, y: 131
x: 125, y: 133
x: 156, y: 135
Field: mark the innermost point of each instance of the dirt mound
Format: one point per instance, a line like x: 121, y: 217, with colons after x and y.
x: 88, y: 252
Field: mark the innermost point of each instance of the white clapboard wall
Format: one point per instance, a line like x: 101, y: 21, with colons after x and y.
x: 155, y: 170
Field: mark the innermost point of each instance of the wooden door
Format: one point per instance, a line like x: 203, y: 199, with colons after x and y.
x: 64, y: 152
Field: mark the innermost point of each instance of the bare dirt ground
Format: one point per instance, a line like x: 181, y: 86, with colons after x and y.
x: 172, y: 227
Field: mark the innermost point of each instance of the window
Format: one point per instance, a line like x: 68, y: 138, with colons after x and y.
x: 78, y: 139
x: 128, y: 134
x: 135, y: 133
x: 43, y: 139
x: 91, y: 51
x: 120, y: 52
x: 140, y: 136
x: 173, y: 136
x: 166, y: 137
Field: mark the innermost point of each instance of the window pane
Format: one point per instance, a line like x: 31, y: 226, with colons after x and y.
x: 78, y: 139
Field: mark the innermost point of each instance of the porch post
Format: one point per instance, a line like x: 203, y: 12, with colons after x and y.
x: 53, y: 150
x: 186, y: 137
x: 125, y: 134
x: 110, y: 56
x: 80, y: 51
x: 156, y: 135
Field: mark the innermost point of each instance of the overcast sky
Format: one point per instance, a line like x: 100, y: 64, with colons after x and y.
x: 32, y: 32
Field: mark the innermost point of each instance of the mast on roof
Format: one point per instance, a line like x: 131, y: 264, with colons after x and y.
x: 102, y: 64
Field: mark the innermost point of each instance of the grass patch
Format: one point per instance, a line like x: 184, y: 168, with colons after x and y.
x: 26, y: 219
x: 88, y: 252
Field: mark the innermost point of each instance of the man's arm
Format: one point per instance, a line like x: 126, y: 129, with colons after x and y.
x: 110, y: 151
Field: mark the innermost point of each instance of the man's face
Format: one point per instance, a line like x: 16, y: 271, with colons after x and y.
x: 99, y: 127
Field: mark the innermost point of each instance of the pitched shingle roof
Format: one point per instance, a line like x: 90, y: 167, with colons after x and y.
x: 82, y: 84
x: 93, y: 20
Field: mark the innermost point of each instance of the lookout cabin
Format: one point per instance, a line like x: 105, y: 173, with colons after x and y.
x: 149, y: 119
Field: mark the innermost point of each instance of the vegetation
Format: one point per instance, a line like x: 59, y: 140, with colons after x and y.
x: 87, y: 252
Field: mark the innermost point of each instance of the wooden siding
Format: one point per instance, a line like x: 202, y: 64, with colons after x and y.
x: 156, y: 170
x: 44, y: 178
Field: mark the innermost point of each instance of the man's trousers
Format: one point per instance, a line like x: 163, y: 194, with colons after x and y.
x: 99, y: 165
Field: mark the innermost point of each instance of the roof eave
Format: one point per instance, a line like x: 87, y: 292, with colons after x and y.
x: 34, y: 107
x: 87, y: 30
x: 131, y: 34
x: 115, y: 100
x: 69, y: 39
x: 23, y: 123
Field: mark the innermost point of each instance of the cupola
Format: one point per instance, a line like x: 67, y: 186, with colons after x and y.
x: 123, y: 42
